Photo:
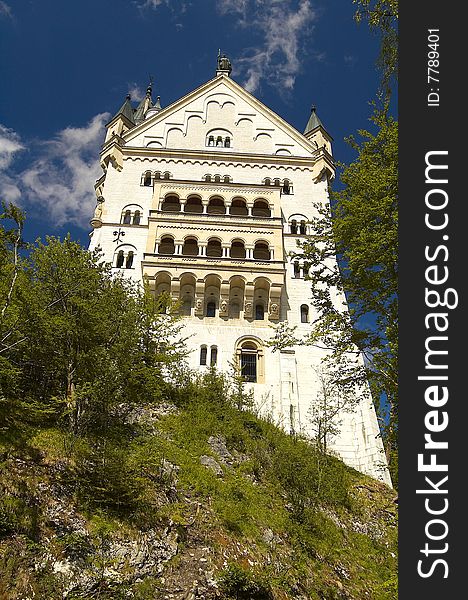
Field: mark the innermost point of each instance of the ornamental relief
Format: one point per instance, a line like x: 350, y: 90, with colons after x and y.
x: 219, y: 163
x: 217, y: 189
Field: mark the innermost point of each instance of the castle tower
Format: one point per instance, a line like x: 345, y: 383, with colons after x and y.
x: 206, y: 198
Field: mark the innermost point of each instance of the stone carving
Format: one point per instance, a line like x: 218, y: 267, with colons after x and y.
x: 274, y: 308
x: 96, y: 221
x: 224, y: 64
x: 198, y: 305
x: 223, y: 306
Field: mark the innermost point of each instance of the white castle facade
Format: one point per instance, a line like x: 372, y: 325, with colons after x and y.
x: 206, y: 199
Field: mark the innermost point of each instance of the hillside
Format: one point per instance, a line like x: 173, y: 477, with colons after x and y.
x: 124, y: 475
x: 190, y: 498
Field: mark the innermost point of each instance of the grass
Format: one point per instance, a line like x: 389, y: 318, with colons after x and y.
x: 289, y: 519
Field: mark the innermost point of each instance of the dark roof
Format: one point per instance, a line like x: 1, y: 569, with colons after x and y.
x: 313, y: 121
x: 126, y: 110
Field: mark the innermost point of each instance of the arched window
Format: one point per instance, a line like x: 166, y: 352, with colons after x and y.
x: 261, y: 251
x: 213, y: 355
x: 186, y: 309
x: 214, y: 248
x: 129, y: 261
x: 267, y: 181
x: 237, y: 249
x: 261, y: 209
x: 167, y: 245
x: 277, y: 182
x: 167, y: 175
x: 239, y: 207
x: 136, y: 217
x: 207, y: 178
x: 203, y: 353
x: 190, y: 247
x: 219, y: 141
x: 147, y: 180
x: 249, y: 361
x: 293, y: 226
x: 227, y: 142
x: 211, y: 309
x: 304, y: 313
x: 157, y: 175
x: 216, y: 207
x: 127, y: 217
x: 171, y: 204
x: 297, y: 270
x: 286, y: 187
x: 226, y: 179
x: 217, y: 178
x: 234, y: 310
x: 302, y: 228
x: 259, y: 312
x: 211, y: 141
x: 193, y: 205
x: 120, y: 259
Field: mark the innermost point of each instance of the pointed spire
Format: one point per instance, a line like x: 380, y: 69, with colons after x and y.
x: 126, y: 110
x: 145, y: 104
x: 153, y: 110
x: 313, y: 121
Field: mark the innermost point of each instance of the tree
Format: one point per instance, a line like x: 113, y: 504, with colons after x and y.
x: 82, y: 340
x: 325, y: 413
x: 382, y: 16
x: 361, y: 228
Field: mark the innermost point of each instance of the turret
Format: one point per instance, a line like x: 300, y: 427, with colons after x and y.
x: 144, y: 105
x: 316, y: 133
x: 122, y: 121
x: 154, y: 109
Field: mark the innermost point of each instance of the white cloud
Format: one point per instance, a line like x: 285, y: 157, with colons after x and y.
x: 282, y: 25
x: 59, y: 182
x: 176, y: 6
x: 135, y: 91
x: 10, y: 146
x: 5, y: 10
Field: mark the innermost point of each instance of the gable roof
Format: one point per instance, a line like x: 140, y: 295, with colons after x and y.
x: 234, y: 87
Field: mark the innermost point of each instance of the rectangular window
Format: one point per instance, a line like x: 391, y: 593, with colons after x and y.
x: 203, y: 355
x: 249, y: 367
x: 214, y: 356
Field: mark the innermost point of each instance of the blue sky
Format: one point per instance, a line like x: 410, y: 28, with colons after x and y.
x: 65, y: 68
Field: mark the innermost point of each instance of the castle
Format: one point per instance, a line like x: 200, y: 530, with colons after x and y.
x: 206, y: 198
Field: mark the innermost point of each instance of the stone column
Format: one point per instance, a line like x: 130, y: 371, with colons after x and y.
x: 199, y: 298
x: 175, y: 289
x: 248, y: 300
x: 224, y: 299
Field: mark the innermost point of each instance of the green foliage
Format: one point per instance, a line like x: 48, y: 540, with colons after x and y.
x: 382, y: 17
x: 86, y: 361
x: 77, y: 341
x: 240, y: 583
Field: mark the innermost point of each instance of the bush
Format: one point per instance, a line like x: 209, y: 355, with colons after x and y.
x: 237, y: 582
